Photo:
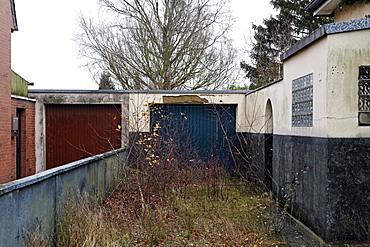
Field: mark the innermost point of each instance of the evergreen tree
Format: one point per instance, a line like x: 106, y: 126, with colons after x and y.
x: 350, y: 2
x: 276, y: 35
x: 106, y: 81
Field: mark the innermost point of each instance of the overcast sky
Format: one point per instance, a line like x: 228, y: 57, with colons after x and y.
x: 43, y: 51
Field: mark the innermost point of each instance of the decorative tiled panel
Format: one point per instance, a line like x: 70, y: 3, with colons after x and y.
x: 364, y: 89
x: 364, y: 95
x: 302, y: 101
x: 364, y: 73
x: 347, y: 26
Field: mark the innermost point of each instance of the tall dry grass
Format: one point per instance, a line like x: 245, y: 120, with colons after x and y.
x: 169, y: 198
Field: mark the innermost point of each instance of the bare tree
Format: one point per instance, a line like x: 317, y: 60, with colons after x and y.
x: 160, y: 44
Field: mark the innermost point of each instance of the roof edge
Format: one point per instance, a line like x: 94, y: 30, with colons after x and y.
x: 322, y: 7
x: 327, y: 29
x: 14, y: 16
x: 311, y: 7
x: 314, y: 36
x: 264, y: 86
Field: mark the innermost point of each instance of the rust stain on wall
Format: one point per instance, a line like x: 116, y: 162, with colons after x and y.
x: 184, y: 99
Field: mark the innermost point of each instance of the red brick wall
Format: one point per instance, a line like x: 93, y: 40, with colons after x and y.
x: 7, y: 170
x: 27, y: 136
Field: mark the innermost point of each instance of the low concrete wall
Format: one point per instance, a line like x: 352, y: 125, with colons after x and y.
x: 35, y: 200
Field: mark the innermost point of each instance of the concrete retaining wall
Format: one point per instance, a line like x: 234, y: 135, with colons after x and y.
x: 35, y: 200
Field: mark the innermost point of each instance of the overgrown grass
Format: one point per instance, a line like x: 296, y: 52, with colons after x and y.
x: 169, y: 197
x: 200, y: 218
x: 83, y: 223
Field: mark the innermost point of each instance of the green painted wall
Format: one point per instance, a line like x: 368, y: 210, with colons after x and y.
x: 19, y: 85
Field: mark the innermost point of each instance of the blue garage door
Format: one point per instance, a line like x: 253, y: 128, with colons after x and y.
x: 207, y: 130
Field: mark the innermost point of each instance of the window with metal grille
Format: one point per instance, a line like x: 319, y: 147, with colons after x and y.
x: 302, y: 101
x: 364, y: 95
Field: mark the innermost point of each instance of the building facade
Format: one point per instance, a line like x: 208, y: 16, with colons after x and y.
x: 17, y: 125
x: 317, y: 119
x: 7, y: 20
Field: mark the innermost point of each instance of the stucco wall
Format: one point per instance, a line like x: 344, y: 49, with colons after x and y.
x: 311, y: 60
x: 346, y: 52
x: 334, y: 61
x: 256, y: 108
x: 332, y: 194
x: 358, y: 10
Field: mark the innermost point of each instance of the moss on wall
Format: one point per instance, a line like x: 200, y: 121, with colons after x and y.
x: 19, y: 85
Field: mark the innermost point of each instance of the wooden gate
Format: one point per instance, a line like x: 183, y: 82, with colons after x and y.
x: 78, y: 131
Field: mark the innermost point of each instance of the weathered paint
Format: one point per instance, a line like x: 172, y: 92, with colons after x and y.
x: 335, y: 148
x: 207, y: 129
x: 280, y: 95
x: 36, y: 200
x: 77, y: 131
x: 356, y: 11
x: 194, y: 99
x: 72, y: 97
x: 344, y: 59
x: 139, y: 106
x: 19, y: 85
x: 334, y: 62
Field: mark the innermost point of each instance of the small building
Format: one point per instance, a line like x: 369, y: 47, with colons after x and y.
x: 23, y: 128
x: 73, y: 124
x: 318, y: 121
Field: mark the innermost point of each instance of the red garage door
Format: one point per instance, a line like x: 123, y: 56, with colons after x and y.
x: 77, y: 131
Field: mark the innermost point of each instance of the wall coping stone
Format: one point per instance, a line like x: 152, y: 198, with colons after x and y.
x: 22, y: 98
x: 27, y: 181
x: 327, y: 29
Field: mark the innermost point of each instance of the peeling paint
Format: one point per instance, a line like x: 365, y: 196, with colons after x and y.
x: 184, y: 99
